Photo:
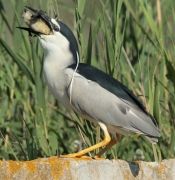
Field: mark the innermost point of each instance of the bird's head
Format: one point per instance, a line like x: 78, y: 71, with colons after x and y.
x: 54, y: 35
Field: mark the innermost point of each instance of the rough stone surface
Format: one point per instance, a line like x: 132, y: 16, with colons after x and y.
x: 86, y: 169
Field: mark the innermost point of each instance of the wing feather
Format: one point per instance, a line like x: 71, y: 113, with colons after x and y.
x: 130, y: 112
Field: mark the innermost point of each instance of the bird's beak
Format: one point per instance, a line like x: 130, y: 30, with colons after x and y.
x: 38, y: 21
x: 29, y: 30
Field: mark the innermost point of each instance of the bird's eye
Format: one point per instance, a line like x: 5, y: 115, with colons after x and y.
x: 56, y: 28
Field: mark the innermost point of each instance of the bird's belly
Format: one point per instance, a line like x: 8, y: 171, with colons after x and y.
x: 111, y: 128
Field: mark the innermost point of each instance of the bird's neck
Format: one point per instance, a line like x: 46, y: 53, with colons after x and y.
x: 59, y: 53
x: 59, y: 58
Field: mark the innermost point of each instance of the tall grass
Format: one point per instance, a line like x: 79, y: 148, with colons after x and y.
x: 132, y: 41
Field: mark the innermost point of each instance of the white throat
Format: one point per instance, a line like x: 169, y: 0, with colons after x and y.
x: 56, y: 48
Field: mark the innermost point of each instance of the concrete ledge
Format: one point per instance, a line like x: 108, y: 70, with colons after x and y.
x: 86, y: 169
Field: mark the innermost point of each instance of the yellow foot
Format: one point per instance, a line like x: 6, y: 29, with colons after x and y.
x: 75, y: 156
x: 98, y: 158
x: 81, y: 157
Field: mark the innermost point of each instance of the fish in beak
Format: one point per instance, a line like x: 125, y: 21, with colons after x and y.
x: 38, y: 22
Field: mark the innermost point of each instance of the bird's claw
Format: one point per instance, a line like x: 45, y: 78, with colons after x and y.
x: 74, y: 156
x: 81, y: 157
x: 98, y: 158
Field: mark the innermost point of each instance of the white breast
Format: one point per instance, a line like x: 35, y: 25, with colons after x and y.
x: 57, y: 58
x: 57, y: 80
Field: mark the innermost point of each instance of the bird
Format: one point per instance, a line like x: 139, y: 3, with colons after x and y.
x: 84, y: 89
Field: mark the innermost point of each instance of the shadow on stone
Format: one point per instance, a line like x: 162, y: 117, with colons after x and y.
x: 134, y: 167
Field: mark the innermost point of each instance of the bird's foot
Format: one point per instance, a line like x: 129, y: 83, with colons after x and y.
x: 75, y: 156
x: 98, y: 158
x: 81, y: 157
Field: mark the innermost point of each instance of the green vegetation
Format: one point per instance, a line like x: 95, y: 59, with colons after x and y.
x: 132, y: 41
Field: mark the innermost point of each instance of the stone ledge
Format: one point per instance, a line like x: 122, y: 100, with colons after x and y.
x: 86, y: 169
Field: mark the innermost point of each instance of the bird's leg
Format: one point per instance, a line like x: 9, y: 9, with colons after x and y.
x: 112, y: 143
x: 105, y: 141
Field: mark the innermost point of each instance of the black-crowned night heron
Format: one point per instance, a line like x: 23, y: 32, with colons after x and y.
x: 88, y: 91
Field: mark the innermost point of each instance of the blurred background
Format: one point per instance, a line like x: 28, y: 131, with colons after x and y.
x: 133, y: 41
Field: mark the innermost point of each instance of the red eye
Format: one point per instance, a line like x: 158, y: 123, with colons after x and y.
x: 56, y: 28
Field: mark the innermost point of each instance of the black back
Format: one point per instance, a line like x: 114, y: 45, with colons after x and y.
x: 65, y: 31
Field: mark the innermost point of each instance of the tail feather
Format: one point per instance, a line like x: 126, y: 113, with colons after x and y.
x: 152, y: 139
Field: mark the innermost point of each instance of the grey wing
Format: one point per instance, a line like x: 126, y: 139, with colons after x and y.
x: 95, y: 102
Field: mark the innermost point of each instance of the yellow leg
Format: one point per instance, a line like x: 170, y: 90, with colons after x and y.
x: 109, y: 145
x: 106, y: 140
